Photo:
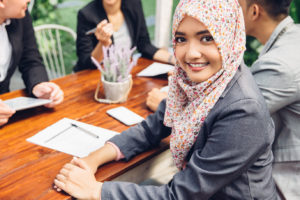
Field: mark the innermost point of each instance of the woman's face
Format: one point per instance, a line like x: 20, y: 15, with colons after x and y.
x: 196, y: 50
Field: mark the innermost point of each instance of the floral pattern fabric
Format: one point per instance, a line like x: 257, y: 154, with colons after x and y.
x: 189, y: 103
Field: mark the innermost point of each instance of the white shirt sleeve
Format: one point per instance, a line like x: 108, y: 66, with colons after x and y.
x: 5, y: 51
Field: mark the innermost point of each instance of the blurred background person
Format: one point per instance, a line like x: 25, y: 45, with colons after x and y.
x: 119, y: 22
x: 18, y: 48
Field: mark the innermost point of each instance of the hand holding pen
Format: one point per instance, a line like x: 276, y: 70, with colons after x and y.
x: 103, y: 32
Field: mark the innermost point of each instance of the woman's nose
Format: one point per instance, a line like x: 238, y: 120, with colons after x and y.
x: 193, y: 51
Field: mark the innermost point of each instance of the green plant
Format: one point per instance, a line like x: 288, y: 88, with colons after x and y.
x: 117, y: 63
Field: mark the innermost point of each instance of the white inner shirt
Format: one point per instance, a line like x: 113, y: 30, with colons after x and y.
x: 5, y: 50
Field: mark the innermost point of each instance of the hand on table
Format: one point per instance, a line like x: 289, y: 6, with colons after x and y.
x: 104, y: 32
x: 49, y: 90
x: 78, y: 180
x: 155, y: 96
x: 5, y: 113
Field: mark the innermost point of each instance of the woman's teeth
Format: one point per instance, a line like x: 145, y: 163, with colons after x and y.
x: 198, y: 65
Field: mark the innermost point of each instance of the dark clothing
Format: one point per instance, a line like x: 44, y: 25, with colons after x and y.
x: 25, y: 54
x: 93, y: 13
x: 231, y: 158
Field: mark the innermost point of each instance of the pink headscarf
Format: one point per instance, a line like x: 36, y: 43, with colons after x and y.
x: 189, y: 103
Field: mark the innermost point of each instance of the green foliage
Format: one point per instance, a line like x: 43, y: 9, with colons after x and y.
x: 43, y: 11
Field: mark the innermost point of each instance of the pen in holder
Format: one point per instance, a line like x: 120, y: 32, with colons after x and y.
x: 115, y: 74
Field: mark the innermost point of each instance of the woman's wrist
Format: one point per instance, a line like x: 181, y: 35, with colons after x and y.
x: 97, y: 191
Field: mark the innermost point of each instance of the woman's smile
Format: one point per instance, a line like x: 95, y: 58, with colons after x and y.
x: 197, y: 66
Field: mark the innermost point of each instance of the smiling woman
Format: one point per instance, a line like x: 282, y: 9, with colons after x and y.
x: 196, y: 50
x: 221, y: 131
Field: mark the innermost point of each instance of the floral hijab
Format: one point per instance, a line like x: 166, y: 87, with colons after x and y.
x: 189, y: 103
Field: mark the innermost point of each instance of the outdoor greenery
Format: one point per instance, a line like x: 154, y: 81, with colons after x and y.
x: 64, y: 12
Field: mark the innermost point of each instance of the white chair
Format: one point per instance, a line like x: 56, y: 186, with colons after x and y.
x: 30, y: 5
x: 49, y: 38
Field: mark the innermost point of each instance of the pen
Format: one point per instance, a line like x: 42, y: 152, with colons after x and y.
x: 59, y: 133
x: 84, y: 130
x: 90, y: 31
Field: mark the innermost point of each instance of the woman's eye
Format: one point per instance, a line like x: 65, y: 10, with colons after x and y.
x: 179, y: 39
x: 207, y: 38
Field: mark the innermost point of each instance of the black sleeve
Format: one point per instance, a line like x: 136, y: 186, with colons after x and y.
x: 84, y: 43
x: 143, y: 136
x: 31, y: 65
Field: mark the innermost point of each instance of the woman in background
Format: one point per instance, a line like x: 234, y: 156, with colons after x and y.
x: 121, y: 22
x: 220, y: 127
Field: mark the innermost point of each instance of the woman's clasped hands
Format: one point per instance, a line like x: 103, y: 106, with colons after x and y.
x: 77, y: 178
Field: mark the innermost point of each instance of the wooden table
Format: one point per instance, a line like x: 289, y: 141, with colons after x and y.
x: 27, y: 170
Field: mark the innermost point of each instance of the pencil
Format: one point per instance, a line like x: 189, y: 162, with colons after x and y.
x: 59, y: 133
x: 90, y: 31
x: 84, y: 130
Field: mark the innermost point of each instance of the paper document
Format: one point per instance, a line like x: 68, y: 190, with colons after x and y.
x: 165, y: 89
x: 156, y: 69
x: 22, y: 103
x: 72, y: 137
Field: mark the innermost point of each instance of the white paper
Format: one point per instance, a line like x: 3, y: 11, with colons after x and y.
x: 61, y: 136
x: 156, y: 69
x: 165, y: 89
x: 22, y: 103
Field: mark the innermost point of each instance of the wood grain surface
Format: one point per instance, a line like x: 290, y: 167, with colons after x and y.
x: 27, y: 170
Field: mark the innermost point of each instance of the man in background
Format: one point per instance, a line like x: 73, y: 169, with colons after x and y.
x: 277, y: 73
x: 18, y: 48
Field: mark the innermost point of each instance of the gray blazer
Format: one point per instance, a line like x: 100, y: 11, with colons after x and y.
x: 277, y: 73
x: 231, y: 158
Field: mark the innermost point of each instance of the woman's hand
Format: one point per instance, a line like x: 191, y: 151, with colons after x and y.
x: 155, y: 96
x: 77, y: 179
x: 91, y: 163
x: 104, y: 32
x: 5, y: 113
x: 49, y: 90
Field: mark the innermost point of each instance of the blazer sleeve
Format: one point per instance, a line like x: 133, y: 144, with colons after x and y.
x: 144, y: 45
x: 84, y: 44
x: 143, y: 136
x: 31, y: 65
x: 277, y: 82
x: 230, y: 149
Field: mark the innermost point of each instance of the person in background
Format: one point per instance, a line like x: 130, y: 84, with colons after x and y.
x: 18, y: 48
x: 221, y: 130
x: 119, y: 22
x: 277, y: 74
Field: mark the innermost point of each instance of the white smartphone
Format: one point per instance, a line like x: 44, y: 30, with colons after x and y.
x: 125, y: 115
x: 22, y: 103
